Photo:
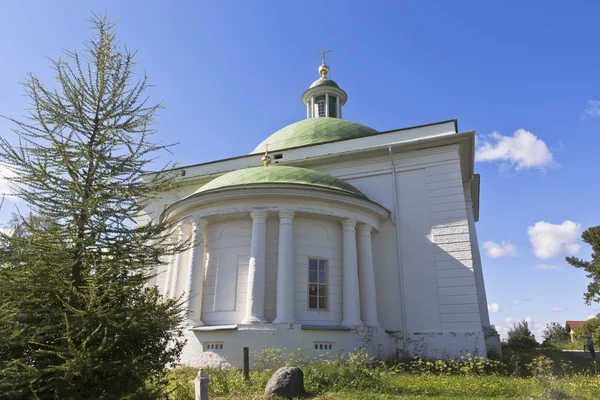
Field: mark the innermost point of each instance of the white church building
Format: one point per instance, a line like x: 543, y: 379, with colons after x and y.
x: 331, y: 236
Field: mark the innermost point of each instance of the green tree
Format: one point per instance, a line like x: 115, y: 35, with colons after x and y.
x: 79, y: 318
x: 592, y: 268
x: 520, y: 335
x: 555, y: 334
x: 589, y: 327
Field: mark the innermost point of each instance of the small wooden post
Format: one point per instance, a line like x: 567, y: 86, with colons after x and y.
x: 246, y: 358
x: 201, y: 385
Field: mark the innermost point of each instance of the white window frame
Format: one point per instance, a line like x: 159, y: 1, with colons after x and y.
x: 326, y: 284
x: 320, y: 105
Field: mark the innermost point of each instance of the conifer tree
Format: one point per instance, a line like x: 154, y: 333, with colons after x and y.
x: 78, y: 317
x: 592, y: 237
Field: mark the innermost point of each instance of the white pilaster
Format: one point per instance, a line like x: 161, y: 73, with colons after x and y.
x: 307, y: 111
x: 337, y: 107
x: 255, y: 297
x: 312, y: 106
x: 176, y: 262
x: 195, y: 273
x: 327, y: 104
x: 285, y: 269
x: 366, y: 274
x: 477, y: 268
x: 351, y: 295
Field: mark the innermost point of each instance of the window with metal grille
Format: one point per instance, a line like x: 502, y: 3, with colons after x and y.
x: 213, y: 346
x: 321, y: 108
x: 323, y: 346
x: 317, y: 284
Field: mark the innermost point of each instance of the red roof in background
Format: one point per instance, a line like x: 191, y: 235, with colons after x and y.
x: 572, y: 324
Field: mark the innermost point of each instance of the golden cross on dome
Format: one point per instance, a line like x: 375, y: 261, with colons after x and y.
x: 323, y: 52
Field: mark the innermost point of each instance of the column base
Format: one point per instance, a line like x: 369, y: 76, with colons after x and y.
x: 373, y: 324
x: 284, y: 321
x: 351, y: 323
x: 253, y: 320
x: 194, y: 324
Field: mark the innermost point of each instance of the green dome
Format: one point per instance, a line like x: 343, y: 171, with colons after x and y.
x: 323, y: 82
x: 279, y: 175
x: 313, y: 131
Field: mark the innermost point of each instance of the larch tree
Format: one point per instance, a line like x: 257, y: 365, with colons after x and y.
x: 79, y: 318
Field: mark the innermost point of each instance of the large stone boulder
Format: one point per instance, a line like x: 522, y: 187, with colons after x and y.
x: 286, y: 382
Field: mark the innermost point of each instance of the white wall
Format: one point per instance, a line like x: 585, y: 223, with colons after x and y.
x: 454, y: 261
x: 228, y: 245
x: 420, y: 285
x: 271, y: 267
x: 440, y: 293
x: 318, y: 238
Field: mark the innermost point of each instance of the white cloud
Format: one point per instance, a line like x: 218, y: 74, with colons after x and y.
x: 558, y: 309
x: 591, y: 316
x: 515, y: 303
x: 551, y: 240
x: 522, y: 150
x: 592, y: 108
x: 494, y: 307
x: 502, y: 249
x: 546, y: 267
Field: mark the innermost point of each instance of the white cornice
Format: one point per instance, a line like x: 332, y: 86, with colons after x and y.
x: 276, y: 197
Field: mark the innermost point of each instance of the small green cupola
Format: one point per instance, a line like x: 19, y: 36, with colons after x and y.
x: 324, y: 98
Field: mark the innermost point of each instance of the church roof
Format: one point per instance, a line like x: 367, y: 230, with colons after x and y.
x: 279, y: 175
x: 323, y: 82
x: 313, y: 131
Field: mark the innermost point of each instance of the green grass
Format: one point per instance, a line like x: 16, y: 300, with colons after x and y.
x: 546, y: 374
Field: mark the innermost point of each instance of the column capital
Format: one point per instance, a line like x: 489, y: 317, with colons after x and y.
x: 179, y: 228
x: 186, y: 226
x: 199, y: 224
x: 257, y: 216
x: 364, y: 229
x: 286, y: 214
x: 349, y: 224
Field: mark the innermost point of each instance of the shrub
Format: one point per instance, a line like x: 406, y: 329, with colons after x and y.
x: 520, y: 336
x: 555, y: 334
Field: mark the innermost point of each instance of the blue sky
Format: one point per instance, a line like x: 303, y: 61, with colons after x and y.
x: 524, y: 75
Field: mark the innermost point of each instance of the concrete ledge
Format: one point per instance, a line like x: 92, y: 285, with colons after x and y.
x: 305, y: 327
x: 214, y: 328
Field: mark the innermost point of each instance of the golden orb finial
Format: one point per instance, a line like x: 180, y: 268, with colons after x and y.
x: 266, y: 159
x: 323, y: 68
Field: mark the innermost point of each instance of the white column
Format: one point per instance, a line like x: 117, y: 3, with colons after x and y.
x: 327, y: 104
x: 312, y: 106
x: 255, y: 296
x: 350, y: 296
x: 338, y: 110
x: 307, y: 110
x: 176, y: 262
x: 169, y: 270
x: 366, y: 276
x: 195, y: 273
x: 477, y: 268
x: 285, y: 269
